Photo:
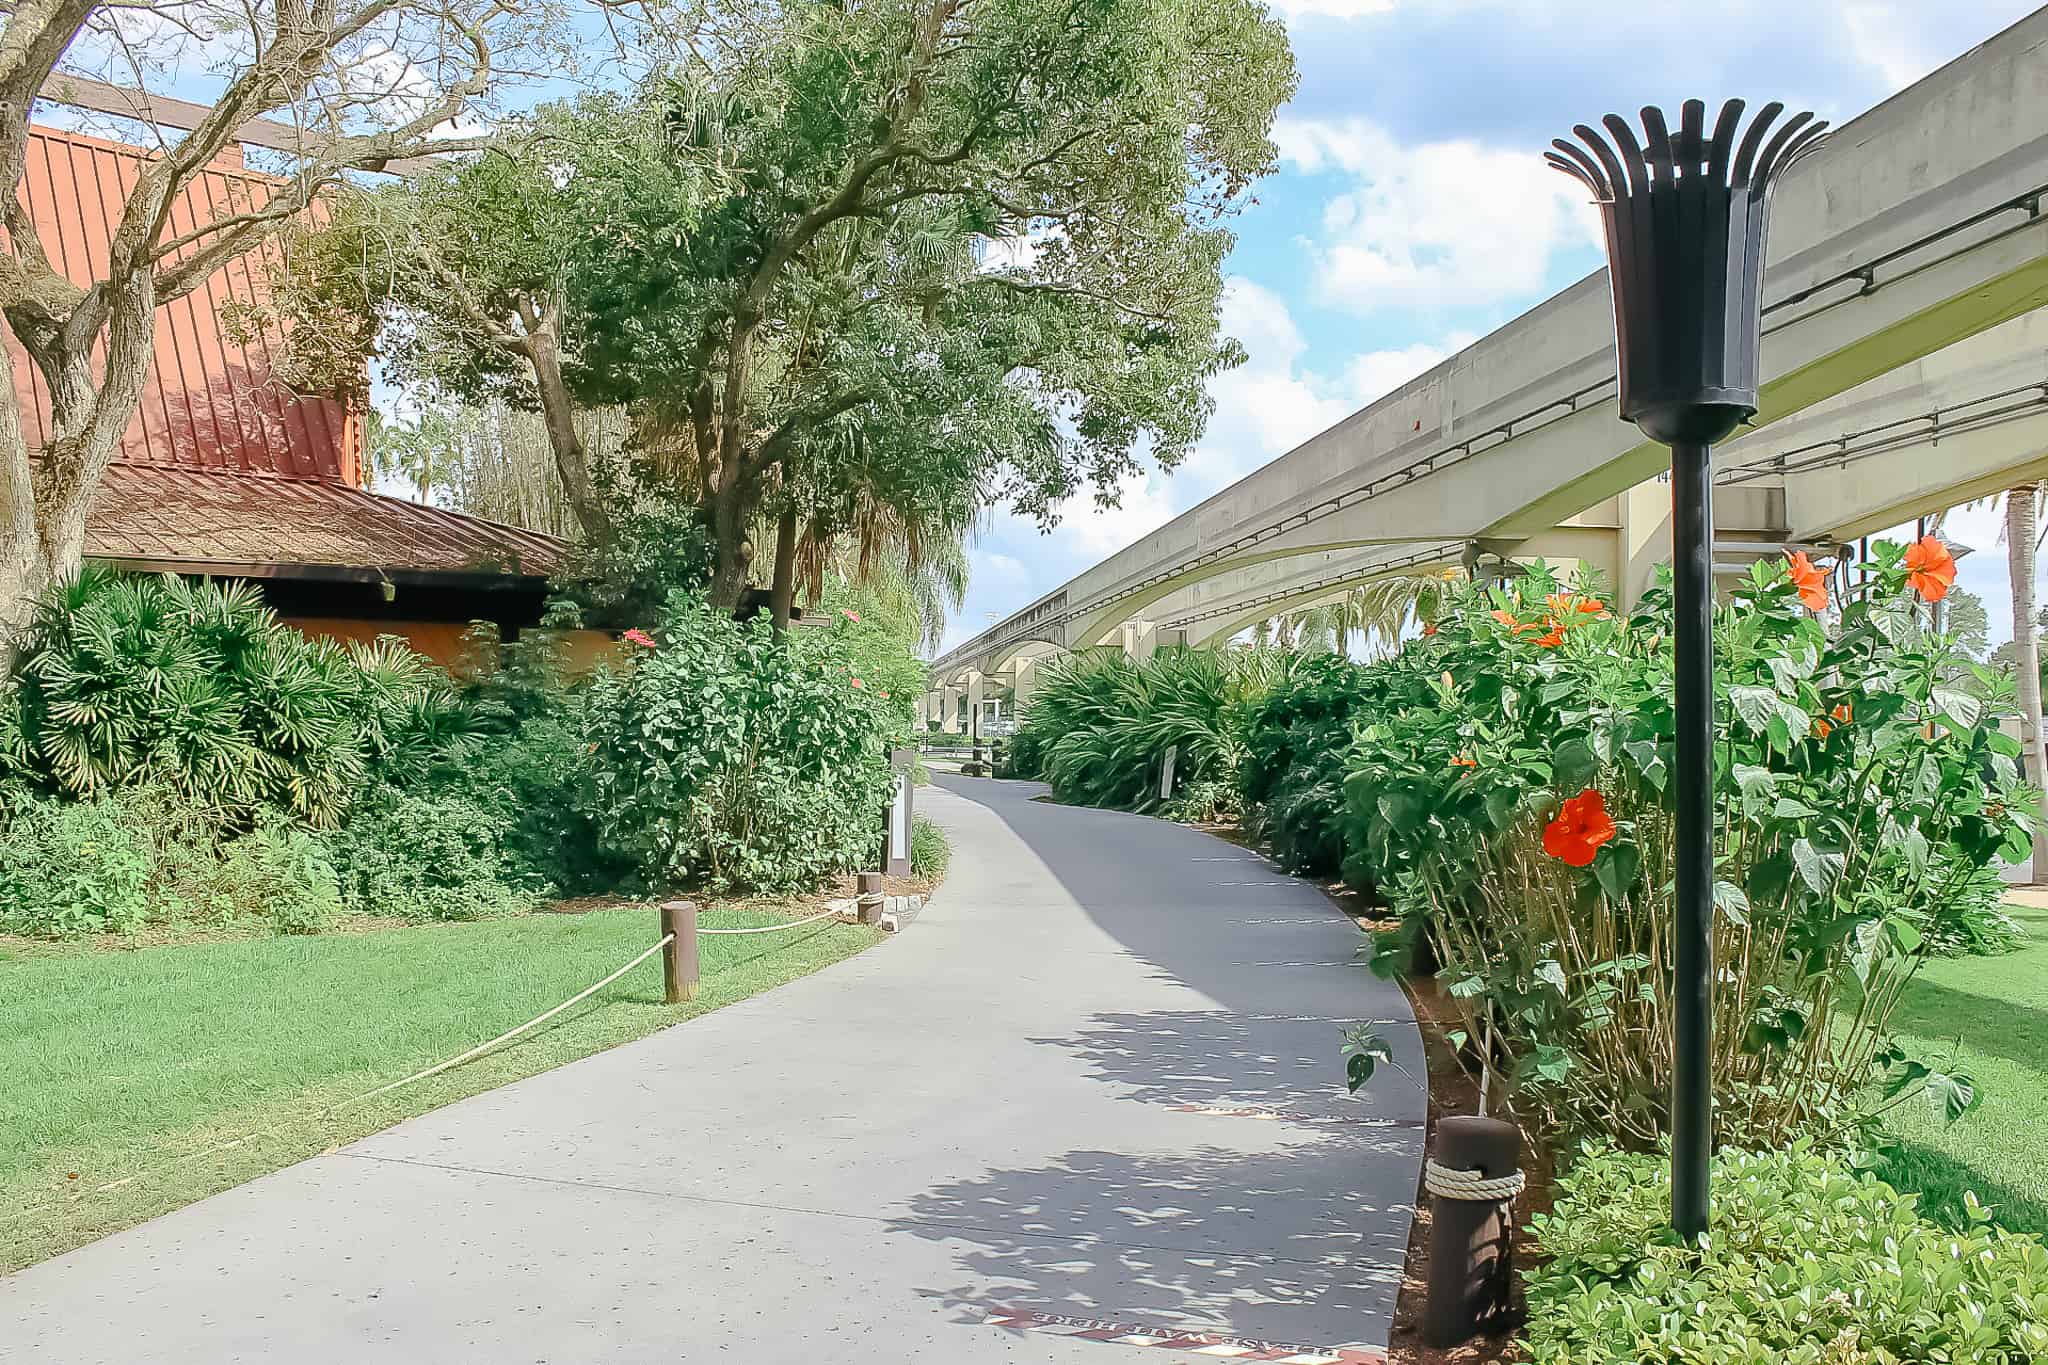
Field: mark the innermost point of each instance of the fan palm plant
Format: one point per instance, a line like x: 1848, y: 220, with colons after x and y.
x: 1369, y: 620
x: 200, y: 690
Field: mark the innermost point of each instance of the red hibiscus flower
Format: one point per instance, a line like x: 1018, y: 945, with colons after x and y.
x: 1429, y: 627
x: 639, y: 637
x: 1581, y: 826
x: 1811, y: 582
x: 1930, y: 569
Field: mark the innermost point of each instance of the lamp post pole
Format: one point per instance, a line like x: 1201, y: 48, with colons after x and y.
x: 1685, y: 216
x: 1692, y: 605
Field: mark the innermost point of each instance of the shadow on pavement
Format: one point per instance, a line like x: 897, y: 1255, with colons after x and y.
x: 1134, y: 1239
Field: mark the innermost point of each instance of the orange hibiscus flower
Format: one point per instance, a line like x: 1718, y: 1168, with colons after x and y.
x: 1464, y: 761
x: 1581, y: 826
x: 1930, y: 569
x: 1554, y: 638
x: 1429, y: 627
x: 1506, y: 618
x: 1810, y: 580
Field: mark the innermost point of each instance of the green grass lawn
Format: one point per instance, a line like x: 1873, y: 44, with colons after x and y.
x: 1993, y: 1012
x: 120, y: 1073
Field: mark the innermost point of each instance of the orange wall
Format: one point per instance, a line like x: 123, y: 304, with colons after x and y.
x: 441, y: 641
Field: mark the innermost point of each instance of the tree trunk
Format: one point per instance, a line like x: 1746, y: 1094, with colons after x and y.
x: 2021, y: 537
x: 782, y: 595
x: 44, y: 504
x: 572, y: 459
x: 733, y: 553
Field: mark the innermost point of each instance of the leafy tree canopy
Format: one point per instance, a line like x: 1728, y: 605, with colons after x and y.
x: 919, y: 254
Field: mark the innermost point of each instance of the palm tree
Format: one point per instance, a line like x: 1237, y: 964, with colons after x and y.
x: 1377, y: 612
x: 2022, y: 540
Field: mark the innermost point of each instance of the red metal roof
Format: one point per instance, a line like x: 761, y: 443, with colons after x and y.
x: 208, y: 404
x: 188, y: 521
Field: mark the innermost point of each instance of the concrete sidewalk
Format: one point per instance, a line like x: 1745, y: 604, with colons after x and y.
x: 1098, y: 1080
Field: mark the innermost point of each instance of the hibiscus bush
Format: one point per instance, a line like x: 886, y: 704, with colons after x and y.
x: 1517, y: 815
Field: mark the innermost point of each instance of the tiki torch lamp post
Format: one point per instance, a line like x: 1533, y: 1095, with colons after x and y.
x: 1685, y: 216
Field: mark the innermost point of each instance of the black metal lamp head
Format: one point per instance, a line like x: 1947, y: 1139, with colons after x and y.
x: 1685, y: 218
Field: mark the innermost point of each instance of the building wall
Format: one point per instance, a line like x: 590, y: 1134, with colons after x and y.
x: 441, y: 641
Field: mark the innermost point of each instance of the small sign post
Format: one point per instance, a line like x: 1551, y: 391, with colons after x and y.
x: 1166, y: 772
x: 896, y: 836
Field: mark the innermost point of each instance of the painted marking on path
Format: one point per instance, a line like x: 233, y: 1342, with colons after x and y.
x: 1175, y: 1339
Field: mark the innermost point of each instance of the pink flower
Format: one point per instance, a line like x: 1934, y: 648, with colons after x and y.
x: 885, y: 696
x: 858, y: 683
x: 852, y: 616
x: 639, y: 637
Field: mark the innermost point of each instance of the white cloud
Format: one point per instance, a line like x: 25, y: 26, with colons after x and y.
x: 1436, y: 225
x: 1331, y: 9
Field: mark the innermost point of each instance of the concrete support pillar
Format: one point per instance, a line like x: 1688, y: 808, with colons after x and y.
x: 1642, y: 540
x: 1141, y: 640
x: 1027, y: 682
x: 975, y: 686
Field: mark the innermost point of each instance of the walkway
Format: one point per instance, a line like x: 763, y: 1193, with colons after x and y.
x: 1098, y: 1078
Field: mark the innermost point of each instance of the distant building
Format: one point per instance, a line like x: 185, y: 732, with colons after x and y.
x: 225, y: 473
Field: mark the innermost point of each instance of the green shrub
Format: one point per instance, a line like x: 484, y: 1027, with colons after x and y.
x: 199, y: 690
x: 1806, y: 1262
x: 422, y: 857
x: 1099, y: 724
x: 278, y: 874
x: 1861, y: 790
x: 931, y: 852
x: 1020, y: 755
x: 1202, y: 802
x: 69, y: 868
x: 1295, y: 740
x: 737, y: 757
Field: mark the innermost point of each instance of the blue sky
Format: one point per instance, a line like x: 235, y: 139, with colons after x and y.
x: 1412, y: 212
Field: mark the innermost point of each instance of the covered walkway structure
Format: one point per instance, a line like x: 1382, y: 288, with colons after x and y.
x: 1905, y: 369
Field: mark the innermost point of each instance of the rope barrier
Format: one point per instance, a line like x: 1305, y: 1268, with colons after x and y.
x: 480, y: 1048
x: 1470, y: 1186
x: 454, y: 1061
x: 773, y: 928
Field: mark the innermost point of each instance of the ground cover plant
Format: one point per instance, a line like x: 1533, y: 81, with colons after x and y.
x: 1518, y: 823
x: 1808, y: 1261
x: 126, y: 1069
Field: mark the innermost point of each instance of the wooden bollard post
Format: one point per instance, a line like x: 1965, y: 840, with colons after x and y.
x: 679, y: 966
x: 869, y: 901
x: 1470, y: 1240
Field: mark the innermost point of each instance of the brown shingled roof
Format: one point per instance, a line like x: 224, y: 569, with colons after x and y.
x: 187, y: 521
